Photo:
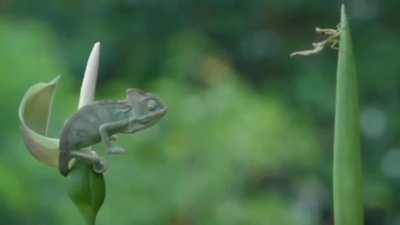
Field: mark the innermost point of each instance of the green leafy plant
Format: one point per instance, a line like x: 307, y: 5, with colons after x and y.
x: 347, y: 171
x: 347, y: 168
x: 85, y: 188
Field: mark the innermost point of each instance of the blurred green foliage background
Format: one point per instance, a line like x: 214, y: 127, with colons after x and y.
x: 248, y: 136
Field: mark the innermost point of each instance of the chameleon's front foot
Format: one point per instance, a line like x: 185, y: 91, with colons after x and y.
x: 100, y: 166
x: 116, y: 150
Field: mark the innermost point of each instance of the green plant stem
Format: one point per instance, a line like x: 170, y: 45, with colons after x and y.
x: 87, y: 190
x: 347, y: 168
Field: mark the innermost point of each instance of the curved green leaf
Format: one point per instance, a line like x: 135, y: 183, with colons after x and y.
x: 85, y: 187
x: 34, y: 115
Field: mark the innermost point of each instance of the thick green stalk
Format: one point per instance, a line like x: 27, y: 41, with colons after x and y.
x: 347, y: 168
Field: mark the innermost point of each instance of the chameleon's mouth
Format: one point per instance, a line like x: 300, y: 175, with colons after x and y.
x: 158, y: 115
x: 154, y: 117
x: 148, y: 120
x: 163, y: 111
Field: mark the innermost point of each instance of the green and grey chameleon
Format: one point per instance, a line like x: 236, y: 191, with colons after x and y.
x: 100, y: 120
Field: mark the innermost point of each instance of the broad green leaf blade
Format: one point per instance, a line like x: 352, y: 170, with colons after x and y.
x: 34, y: 115
x: 87, y: 190
x: 347, y: 169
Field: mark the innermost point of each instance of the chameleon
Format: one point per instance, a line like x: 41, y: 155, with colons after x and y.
x: 100, y: 120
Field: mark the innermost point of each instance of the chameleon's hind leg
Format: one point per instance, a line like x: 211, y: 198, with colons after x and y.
x: 99, y: 164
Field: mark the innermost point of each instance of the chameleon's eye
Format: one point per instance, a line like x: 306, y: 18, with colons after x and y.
x: 151, y: 104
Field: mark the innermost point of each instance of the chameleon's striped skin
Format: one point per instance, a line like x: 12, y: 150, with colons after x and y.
x: 83, y: 128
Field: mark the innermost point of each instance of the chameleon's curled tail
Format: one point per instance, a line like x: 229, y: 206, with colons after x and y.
x: 63, y: 162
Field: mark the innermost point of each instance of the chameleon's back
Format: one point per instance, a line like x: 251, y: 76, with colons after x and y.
x: 82, y: 129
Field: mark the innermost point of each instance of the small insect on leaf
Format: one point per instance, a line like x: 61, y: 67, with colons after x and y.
x: 332, y: 39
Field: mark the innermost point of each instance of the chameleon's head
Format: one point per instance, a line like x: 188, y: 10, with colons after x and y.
x: 147, y: 107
